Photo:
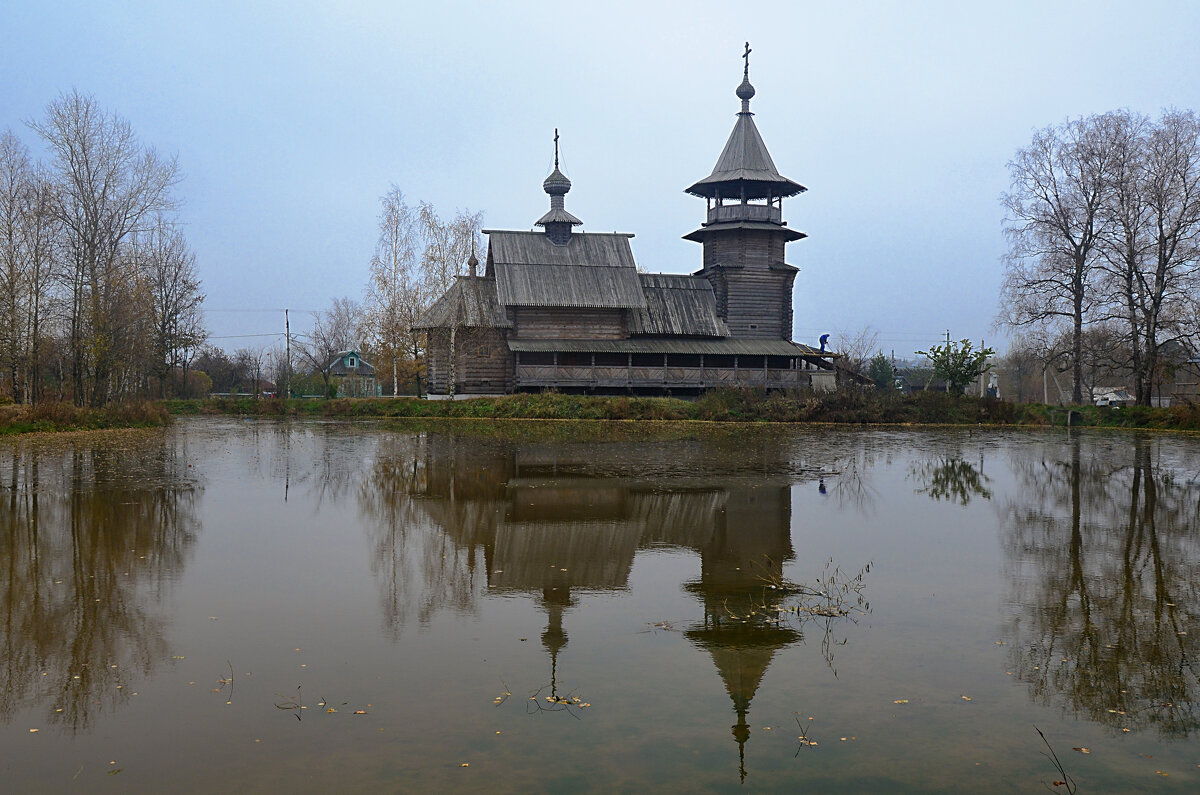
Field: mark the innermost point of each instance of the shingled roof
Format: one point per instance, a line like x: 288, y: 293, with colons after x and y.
x: 745, y: 168
x: 591, y: 270
x: 677, y: 305
x: 470, y: 301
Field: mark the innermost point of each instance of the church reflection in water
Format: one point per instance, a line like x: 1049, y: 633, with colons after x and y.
x: 555, y: 520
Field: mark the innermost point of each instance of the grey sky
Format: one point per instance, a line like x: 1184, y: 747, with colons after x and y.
x: 291, y: 119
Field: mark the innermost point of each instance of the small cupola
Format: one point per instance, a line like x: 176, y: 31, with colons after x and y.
x: 558, y: 221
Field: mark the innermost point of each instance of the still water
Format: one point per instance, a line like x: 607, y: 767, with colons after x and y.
x: 259, y: 606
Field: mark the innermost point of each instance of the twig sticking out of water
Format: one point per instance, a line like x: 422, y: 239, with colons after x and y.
x: 1066, y: 780
x: 296, y: 703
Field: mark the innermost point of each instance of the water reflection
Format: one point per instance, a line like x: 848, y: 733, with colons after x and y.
x: 1105, y: 570
x: 91, y: 534
x: 553, y: 521
x: 952, y: 479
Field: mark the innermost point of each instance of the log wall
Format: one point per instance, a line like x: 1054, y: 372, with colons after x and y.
x: 569, y: 323
x: 483, y: 363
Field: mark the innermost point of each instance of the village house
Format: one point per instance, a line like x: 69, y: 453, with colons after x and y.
x: 568, y: 310
x: 353, y: 376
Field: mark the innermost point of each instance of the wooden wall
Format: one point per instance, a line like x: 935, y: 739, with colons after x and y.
x: 483, y: 363
x: 569, y: 323
x: 759, y: 303
x: 753, y: 299
x: 745, y: 248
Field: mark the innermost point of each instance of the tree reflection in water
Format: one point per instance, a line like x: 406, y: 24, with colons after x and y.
x: 952, y: 479
x: 455, y: 517
x: 1104, y: 556
x: 93, y: 532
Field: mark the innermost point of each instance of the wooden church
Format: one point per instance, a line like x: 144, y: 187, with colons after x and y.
x: 568, y: 310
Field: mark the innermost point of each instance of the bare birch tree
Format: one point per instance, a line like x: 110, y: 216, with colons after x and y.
x: 395, y: 295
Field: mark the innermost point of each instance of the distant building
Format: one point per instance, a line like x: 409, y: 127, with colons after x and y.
x: 353, y: 376
x: 1186, y: 389
x: 568, y: 310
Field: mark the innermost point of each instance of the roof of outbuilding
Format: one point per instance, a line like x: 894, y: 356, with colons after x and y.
x: 677, y: 304
x: 470, y: 301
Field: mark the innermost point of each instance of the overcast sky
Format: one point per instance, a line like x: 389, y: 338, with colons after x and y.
x: 291, y: 119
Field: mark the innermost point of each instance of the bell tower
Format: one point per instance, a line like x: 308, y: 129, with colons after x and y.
x: 744, y: 234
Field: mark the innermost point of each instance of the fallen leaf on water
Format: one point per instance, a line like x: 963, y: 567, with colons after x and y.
x: 34, y: 731
x: 966, y: 698
x: 360, y: 712
x: 1082, y: 750
x: 331, y: 709
x: 900, y: 701
x: 1162, y: 772
x: 465, y: 764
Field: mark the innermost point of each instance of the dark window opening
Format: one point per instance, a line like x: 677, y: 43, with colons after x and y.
x: 612, y: 359
x: 574, y: 360
x: 647, y: 360
x: 537, y: 358
x: 779, y: 363
x: 719, y: 361
x: 683, y: 360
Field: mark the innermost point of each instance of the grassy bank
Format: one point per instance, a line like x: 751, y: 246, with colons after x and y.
x: 54, y: 417
x: 727, y: 405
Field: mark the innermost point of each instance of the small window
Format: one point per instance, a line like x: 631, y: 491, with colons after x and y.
x: 351, y: 361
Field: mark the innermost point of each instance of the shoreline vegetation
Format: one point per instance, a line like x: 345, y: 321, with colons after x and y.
x: 845, y: 407
x: 722, y: 405
x: 57, y: 417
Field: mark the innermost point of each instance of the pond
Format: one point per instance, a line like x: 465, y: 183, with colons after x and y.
x: 262, y: 606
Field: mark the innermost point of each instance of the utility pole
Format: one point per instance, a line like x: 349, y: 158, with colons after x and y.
x: 287, y: 372
x: 982, y: 388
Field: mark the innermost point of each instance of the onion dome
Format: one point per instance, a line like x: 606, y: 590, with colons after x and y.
x: 557, y: 222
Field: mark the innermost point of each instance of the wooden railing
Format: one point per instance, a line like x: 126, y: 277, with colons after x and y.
x: 545, y: 375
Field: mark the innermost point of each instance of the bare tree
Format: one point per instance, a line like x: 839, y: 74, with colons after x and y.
x: 108, y: 184
x: 395, y: 294
x: 447, y: 246
x: 40, y: 235
x: 334, y: 331
x: 175, y: 296
x: 1057, y: 195
x: 15, y: 179
x: 856, y: 348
